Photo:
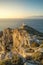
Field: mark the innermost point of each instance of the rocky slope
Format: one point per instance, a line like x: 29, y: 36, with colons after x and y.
x: 23, y: 41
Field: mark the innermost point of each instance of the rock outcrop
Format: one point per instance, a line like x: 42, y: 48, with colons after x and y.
x: 23, y: 41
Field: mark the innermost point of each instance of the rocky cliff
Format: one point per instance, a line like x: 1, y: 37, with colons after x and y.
x: 23, y: 40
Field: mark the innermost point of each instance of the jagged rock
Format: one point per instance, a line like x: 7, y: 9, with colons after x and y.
x: 19, y: 40
x: 7, y: 39
x: 20, y: 37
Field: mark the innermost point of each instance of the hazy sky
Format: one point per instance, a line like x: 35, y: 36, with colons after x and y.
x: 20, y: 8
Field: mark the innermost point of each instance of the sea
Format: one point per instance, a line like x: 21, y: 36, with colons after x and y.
x: 15, y: 23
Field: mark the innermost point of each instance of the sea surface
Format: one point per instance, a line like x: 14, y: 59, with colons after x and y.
x: 12, y: 23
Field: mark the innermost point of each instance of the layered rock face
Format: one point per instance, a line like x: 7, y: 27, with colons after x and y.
x: 20, y: 38
x: 6, y: 40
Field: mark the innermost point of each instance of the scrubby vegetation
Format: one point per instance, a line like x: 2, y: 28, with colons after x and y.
x: 16, y: 60
x: 34, y: 44
x: 38, y: 56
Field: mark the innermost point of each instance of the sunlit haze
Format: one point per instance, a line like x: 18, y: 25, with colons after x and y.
x: 20, y: 8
